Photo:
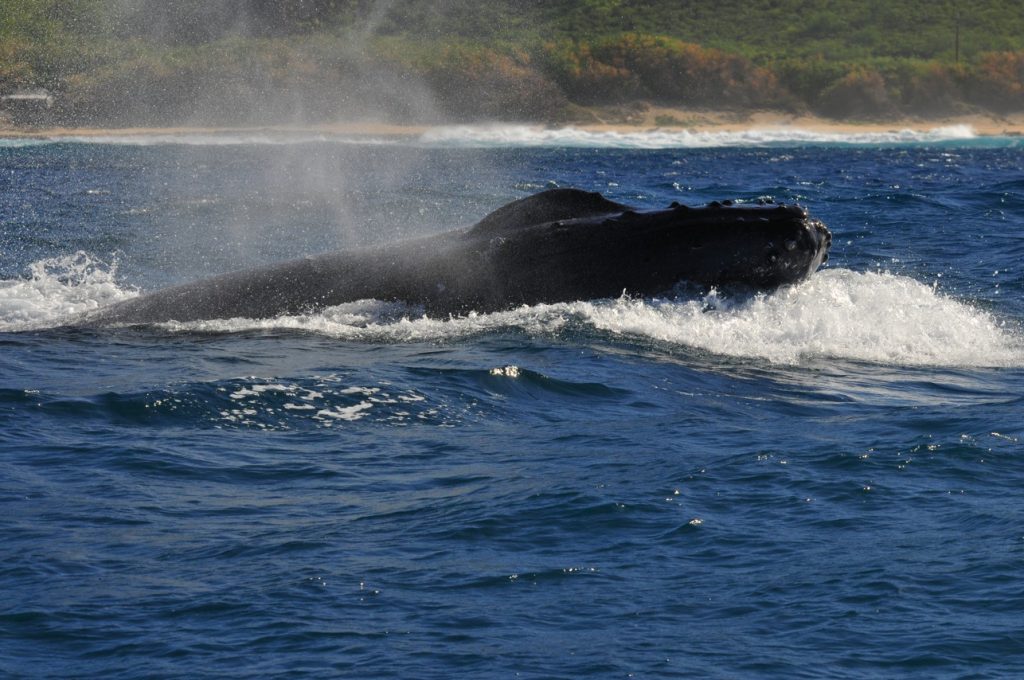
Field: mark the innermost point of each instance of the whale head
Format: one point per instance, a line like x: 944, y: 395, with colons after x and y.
x: 567, y: 243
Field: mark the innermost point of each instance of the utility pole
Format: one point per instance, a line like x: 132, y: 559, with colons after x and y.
x: 956, y: 47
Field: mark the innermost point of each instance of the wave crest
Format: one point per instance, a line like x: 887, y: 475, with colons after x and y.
x: 532, y: 136
x: 508, y: 135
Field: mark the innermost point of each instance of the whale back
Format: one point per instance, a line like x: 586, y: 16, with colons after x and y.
x: 560, y: 245
x: 548, y: 206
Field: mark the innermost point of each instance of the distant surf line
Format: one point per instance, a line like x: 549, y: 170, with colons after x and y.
x: 534, y: 136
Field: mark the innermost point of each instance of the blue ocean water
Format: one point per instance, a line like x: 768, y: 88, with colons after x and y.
x: 827, y: 480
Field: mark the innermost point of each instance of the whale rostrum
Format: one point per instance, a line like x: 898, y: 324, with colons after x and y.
x: 555, y: 246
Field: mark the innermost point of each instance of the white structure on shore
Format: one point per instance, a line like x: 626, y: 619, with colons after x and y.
x: 27, y: 106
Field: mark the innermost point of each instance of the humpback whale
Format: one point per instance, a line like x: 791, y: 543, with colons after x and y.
x: 555, y: 246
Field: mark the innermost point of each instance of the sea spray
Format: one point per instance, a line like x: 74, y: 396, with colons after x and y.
x: 837, y: 314
x: 57, y: 290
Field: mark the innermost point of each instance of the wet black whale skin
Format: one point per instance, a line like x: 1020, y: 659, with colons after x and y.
x: 555, y: 246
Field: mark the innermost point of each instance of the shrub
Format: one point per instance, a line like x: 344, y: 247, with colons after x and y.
x: 661, y: 69
x: 584, y: 78
x: 933, y: 89
x: 475, y: 82
x: 997, y: 81
x: 807, y: 78
x: 15, y: 70
x: 861, y: 93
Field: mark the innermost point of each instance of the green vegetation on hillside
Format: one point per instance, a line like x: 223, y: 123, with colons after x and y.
x: 113, y: 62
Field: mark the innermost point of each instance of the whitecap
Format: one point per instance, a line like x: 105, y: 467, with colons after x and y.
x: 498, y: 135
x: 485, y: 136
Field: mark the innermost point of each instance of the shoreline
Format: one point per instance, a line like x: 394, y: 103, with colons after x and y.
x: 652, y: 119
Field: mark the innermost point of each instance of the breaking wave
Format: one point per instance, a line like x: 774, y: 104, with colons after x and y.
x: 513, y: 136
x: 532, y: 136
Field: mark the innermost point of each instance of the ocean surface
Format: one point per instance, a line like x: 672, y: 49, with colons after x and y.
x: 822, y: 481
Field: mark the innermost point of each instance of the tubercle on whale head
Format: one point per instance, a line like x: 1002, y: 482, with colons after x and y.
x: 762, y: 245
x: 765, y: 244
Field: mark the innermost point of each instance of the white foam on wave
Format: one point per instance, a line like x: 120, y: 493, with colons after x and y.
x: 504, y: 136
x: 837, y: 314
x: 534, y: 136
x: 21, y: 142
x: 56, y: 290
x: 376, y: 321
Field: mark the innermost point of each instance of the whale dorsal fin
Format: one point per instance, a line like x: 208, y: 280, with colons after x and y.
x: 548, y: 206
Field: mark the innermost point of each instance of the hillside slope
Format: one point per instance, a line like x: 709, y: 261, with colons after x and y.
x: 251, y: 61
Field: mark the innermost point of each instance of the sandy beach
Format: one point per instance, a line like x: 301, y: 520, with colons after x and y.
x: 646, y: 119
